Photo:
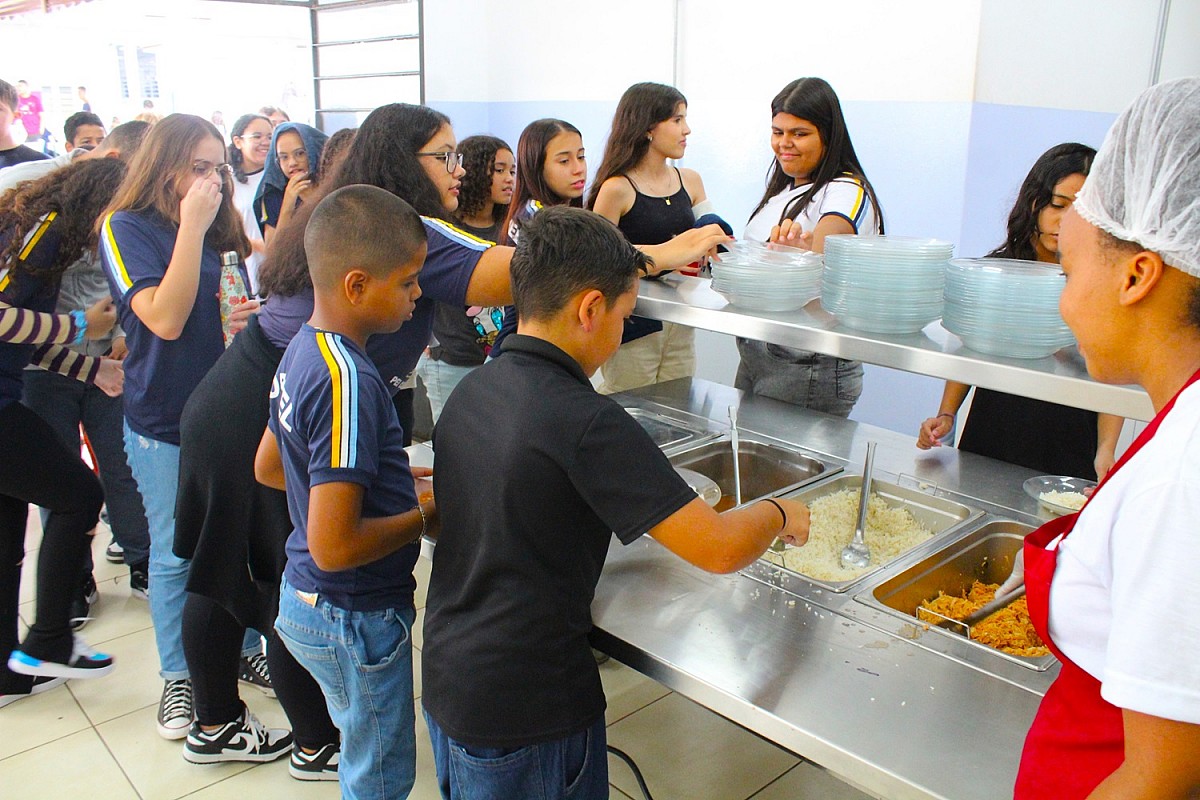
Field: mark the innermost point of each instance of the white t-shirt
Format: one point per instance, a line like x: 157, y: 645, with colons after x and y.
x: 843, y: 196
x: 243, y: 200
x: 1125, y: 602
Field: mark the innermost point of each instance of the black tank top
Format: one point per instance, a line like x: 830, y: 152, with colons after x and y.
x: 654, y: 220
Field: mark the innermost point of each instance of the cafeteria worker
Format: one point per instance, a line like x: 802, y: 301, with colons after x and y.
x: 1115, y: 589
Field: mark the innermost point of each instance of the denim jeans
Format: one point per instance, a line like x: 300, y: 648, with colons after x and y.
x: 810, y: 380
x: 440, y: 379
x: 572, y: 768
x: 65, y: 403
x: 155, y: 467
x: 363, y: 662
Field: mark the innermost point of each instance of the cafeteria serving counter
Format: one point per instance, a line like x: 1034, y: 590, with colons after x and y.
x: 835, y: 676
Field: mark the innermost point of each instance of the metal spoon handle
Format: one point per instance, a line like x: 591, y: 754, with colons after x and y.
x: 864, y: 495
x: 737, y: 466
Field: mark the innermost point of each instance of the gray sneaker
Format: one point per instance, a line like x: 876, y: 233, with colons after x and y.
x: 253, y: 671
x: 176, y: 711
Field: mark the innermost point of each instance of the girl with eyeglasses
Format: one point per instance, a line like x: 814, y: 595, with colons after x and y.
x: 464, y: 336
x: 160, y: 243
x: 291, y: 174
x: 249, y: 151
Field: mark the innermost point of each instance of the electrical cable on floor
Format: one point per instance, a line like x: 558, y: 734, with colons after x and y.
x: 637, y: 773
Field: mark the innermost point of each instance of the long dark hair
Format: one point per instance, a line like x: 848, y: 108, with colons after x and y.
x: 382, y: 154
x: 165, y: 155
x: 814, y: 100
x: 1036, y: 192
x: 643, y: 106
x: 478, y: 155
x: 531, y: 163
x: 77, y: 193
x: 234, y: 155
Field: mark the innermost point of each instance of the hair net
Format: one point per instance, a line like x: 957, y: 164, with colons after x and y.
x: 1144, y: 186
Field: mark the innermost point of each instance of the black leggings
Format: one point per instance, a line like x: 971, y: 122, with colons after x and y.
x: 37, y: 468
x: 212, y: 644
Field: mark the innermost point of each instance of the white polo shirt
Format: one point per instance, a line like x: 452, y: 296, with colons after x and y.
x: 1125, y: 602
x: 843, y: 196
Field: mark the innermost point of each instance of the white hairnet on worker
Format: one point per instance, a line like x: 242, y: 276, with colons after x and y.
x: 1144, y: 186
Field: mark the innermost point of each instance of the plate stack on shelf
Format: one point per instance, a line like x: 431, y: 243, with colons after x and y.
x: 1006, y: 307
x: 884, y: 284
x: 759, y: 277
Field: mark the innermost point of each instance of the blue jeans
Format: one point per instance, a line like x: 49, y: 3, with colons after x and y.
x: 572, y: 768
x: 155, y: 467
x: 65, y: 403
x: 362, y: 661
x: 440, y: 379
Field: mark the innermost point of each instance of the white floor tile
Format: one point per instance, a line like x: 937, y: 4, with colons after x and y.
x: 686, y: 752
x: 627, y: 690
x: 807, y: 781
x: 416, y: 673
x: 154, y: 765
x: 78, y: 765
x: 418, y: 631
x: 38, y: 719
x: 133, y: 685
x: 421, y: 573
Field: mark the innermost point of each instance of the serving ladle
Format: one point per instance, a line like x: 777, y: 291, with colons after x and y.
x: 856, y: 555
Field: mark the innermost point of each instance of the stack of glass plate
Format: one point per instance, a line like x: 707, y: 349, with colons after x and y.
x: 761, y: 277
x: 1006, y: 307
x: 884, y: 284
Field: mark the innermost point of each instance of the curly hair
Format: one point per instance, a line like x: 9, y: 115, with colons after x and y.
x: 77, y: 193
x: 334, y: 152
x: 478, y: 155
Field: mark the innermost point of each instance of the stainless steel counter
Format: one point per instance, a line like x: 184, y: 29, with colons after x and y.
x: 1061, y: 378
x: 822, y: 674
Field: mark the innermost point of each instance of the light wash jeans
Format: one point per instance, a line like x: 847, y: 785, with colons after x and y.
x: 572, y: 768
x: 155, y: 467
x: 440, y: 379
x: 362, y: 661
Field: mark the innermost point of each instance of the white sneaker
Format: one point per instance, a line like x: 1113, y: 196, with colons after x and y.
x: 176, y: 711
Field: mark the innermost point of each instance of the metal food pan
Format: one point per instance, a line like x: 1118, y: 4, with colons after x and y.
x: 766, y: 469
x: 985, y: 554
x: 937, y: 514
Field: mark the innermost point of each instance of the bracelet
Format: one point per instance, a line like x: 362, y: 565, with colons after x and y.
x: 79, y: 319
x: 782, y: 513
x: 424, y: 520
x: 946, y: 414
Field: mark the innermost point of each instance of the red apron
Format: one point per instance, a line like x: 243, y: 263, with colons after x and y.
x: 1077, y: 738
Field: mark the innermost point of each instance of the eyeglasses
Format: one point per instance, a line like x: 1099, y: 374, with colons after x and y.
x: 452, y: 159
x: 202, y: 169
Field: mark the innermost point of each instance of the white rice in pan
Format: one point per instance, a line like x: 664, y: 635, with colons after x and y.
x: 890, y: 532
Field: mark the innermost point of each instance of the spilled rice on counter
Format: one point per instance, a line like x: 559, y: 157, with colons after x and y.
x: 890, y: 532
x: 1009, y: 629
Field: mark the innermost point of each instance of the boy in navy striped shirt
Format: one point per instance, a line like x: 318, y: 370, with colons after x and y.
x: 346, y: 603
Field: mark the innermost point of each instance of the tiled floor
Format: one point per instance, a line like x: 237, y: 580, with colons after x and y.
x: 96, y: 739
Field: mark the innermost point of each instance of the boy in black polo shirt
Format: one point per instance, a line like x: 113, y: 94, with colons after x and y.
x: 511, y: 691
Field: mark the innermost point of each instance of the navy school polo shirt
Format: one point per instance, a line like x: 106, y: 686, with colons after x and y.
x: 529, y: 498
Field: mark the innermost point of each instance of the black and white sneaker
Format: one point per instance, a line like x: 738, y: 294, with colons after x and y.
x: 81, y: 606
x: 84, y: 662
x: 176, y: 711
x: 139, y: 581
x: 114, y: 553
x: 319, y: 766
x: 38, y: 686
x: 253, y: 671
x: 244, y: 739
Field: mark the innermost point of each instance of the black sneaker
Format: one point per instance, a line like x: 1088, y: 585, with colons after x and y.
x: 114, y: 553
x: 319, y: 766
x: 253, y: 671
x: 84, y: 662
x: 176, y: 711
x: 244, y: 739
x: 39, y: 685
x: 81, y: 606
x: 139, y: 581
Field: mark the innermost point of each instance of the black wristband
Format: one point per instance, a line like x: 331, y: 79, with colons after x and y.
x: 782, y: 513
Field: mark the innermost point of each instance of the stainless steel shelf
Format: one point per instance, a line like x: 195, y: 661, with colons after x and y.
x: 1061, y: 378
